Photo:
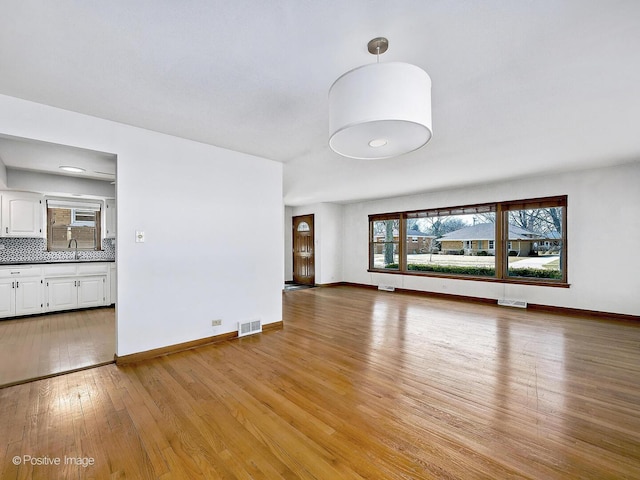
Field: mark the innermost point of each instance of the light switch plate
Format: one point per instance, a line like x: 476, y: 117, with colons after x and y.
x: 139, y: 236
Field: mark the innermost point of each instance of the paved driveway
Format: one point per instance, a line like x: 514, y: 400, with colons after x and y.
x: 534, y: 262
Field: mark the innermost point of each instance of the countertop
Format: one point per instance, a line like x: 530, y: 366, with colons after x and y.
x: 49, y: 262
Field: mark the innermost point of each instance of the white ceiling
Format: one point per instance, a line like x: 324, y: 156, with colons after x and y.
x: 24, y: 154
x: 519, y: 87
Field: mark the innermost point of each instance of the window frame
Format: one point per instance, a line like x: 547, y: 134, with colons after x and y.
x: 79, y: 212
x: 530, y: 204
x: 399, y: 243
x: 500, y: 242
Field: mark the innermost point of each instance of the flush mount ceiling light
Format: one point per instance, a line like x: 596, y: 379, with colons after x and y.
x: 69, y: 168
x: 380, y: 110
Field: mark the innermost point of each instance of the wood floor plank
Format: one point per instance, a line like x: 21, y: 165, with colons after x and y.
x: 43, y: 345
x: 358, y: 384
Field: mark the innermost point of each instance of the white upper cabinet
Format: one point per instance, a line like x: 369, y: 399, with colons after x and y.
x: 110, y: 218
x: 22, y: 214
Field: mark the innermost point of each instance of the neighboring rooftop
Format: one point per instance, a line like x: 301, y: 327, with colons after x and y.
x: 486, y: 231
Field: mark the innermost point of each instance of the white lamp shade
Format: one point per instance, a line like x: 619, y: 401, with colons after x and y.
x: 380, y: 110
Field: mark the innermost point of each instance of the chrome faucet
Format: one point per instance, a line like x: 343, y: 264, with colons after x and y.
x: 75, y: 256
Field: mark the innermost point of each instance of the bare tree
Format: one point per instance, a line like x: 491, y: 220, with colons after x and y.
x: 388, y: 229
x: 389, y: 244
x: 489, y: 217
x: 439, y: 226
x: 543, y: 221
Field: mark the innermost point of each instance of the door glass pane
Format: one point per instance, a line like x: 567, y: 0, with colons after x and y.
x: 303, y: 227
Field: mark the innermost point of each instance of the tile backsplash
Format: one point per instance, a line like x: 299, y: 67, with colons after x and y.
x: 35, y: 250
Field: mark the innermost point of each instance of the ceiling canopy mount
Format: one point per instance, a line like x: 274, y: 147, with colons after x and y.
x: 378, y: 46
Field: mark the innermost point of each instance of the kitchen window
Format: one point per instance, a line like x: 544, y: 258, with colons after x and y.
x: 73, y: 225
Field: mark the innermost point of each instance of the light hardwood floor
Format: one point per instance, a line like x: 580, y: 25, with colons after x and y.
x: 358, y: 384
x: 33, y: 347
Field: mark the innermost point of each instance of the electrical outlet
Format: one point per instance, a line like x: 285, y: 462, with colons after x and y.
x: 216, y: 323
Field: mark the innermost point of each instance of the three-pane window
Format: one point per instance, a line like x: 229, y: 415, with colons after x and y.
x: 519, y: 241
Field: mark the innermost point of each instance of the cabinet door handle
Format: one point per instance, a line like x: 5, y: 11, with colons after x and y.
x: 17, y: 284
x: 13, y: 284
x: 7, y: 229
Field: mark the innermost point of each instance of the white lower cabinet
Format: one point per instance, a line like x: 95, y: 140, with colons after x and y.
x: 62, y: 293
x: 113, y: 284
x: 33, y: 289
x: 7, y: 298
x: 20, y: 292
x: 28, y: 296
x: 67, y: 293
x: 22, y: 296
x: 92, y: 291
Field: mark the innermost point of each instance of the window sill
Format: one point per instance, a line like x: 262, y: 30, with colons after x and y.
x: 514, y: 280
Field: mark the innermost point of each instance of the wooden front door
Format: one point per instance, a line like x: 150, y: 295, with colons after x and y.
x: 303, y: 258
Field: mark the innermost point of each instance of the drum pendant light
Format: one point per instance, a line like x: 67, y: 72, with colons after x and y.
x: 380, y: 110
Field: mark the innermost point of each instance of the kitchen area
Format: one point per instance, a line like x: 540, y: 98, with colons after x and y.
x: 57, y: 259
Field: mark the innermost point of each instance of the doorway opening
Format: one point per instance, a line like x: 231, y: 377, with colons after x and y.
x: 73, y: 323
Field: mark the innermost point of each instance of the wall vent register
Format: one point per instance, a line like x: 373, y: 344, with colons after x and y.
x: 249, y: 328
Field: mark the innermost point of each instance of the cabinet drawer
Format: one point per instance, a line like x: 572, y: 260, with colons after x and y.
x: 20, y: 271
x: 93, y: 268
x: 65, y: 269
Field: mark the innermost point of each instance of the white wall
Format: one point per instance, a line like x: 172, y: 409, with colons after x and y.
x: 330, y: 242
x: 603, y: 232
x: 327, y: 241
x: 198, y: 205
